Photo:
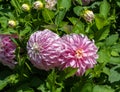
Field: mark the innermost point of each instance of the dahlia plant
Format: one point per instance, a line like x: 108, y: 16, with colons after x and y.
x: 59, y: 46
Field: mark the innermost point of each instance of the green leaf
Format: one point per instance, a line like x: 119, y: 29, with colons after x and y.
x: 60, y: 16
x: 106, y: 71
x: 51, y: 80
x: 118, y: 3
x: 25, y: 31
x: 3, y: 22
x: 102, y: 34
x: 104, y: 56
x: 102, y: 88
x: 78, y: 26
x: 79, y: 1
x: 104, y: 8
x: 87, y: 87
x: 7, y: 80
x: 115, y: 60
x: 77, y: 10
x: 48, y: 15
x: 100, y: 21
x: 116, y: 47
x: 114, y: 75
x: 114, y: 53
x: 69, y: 72
x: 3, y: 83
x: 64, y: 4
x: 42, y: 88
x: 111, y: 39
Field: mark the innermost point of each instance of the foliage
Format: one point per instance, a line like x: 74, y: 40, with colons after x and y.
x: 65, y: 19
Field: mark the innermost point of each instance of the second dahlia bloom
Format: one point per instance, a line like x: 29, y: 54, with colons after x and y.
x: 43, y: 49
x: 7, y: 51
x: 80, y: 53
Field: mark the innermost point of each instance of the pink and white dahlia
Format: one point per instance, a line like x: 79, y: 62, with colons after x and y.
x: 80, y: 53
x: 43, y: 49
x: 7, y: 51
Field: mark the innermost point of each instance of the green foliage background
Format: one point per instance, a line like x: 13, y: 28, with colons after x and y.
x: 66, y: 19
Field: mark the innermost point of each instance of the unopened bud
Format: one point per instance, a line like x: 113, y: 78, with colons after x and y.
x: 50, y: 4
x: 85, y: 2
x: 88, y: 15
x: 38, y: 5
x: 11, y: 23
x: 25, y: 7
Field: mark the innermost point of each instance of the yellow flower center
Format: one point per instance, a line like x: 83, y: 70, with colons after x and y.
x: 79, y: 53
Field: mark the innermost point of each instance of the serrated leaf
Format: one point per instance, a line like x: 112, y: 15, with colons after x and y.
x: 115, y: 60
x: 79, y: 1
x: 106, y: 71
x: 69, y: 72
x: 65, y: 4
x: 114, y: 75
x: 60, y: 16
x: 3, y: 22
x: 104, y: 8
x: 77, y: 10
x: 3, y: 83
x: 48, y: 15
x: 104, y: 56
x: 78, y: 26
x: 100, y: 21
x: 42, y: 88
x: 114, y: 53
x: 102, y: 34
x: 25, y: 31
x: 111, y: 39
x: 102, y: 88
x: 87, y: 87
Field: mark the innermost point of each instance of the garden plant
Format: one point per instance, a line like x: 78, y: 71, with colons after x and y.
x: 59, y: 45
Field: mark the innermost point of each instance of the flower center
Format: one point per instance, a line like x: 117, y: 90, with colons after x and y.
x: 35, y: 47
x: 79, y: 53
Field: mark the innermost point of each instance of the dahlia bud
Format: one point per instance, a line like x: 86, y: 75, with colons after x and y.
x: 88, y: 15
x: 7, y: 50
x: 25, y: 7
x: 38, y: 5
x: 85, y: 2
x: 11, y: 23
x: 50, y: 4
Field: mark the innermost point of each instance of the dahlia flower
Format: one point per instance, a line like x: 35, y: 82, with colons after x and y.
x: 88, y: 15
x: 50, y: 4
x: 43, y: 49
x: 80, y: 53
x: 7, y: 51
